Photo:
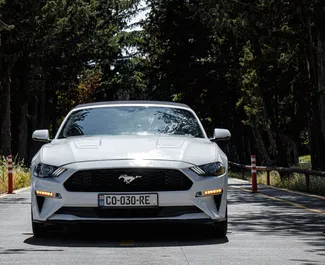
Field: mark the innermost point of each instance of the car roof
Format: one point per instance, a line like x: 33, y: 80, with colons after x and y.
x: 132, y: 102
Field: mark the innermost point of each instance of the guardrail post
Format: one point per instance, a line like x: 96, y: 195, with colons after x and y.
x: 253, y: 170
x: 268, y: 177
x: 10, y: 176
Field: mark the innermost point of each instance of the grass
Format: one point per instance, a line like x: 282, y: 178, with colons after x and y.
x: 20, y: 175
x: 305, y: 159
x: 296, y: 182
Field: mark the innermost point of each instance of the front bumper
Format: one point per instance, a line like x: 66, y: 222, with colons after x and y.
x: 205, y: 221
x: 84, y: 205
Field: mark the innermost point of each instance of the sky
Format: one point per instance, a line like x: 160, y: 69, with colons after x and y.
x: 141, y: 15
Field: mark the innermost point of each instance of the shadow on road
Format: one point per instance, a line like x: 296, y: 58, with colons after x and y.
x: 129, y: 236
x: 16, y: 251
x: 269, y: 216
x: 15, y: 200
x: 256, y: 214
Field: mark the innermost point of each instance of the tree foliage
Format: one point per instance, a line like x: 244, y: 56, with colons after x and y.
x: 251, y: 66
x: 255, y: 67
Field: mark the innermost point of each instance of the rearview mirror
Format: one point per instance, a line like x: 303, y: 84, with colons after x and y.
x: 41, y: 136
x: 221, y: 134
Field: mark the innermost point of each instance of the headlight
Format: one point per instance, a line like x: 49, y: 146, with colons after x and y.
x: 211, y: 169
x: 47, y: 171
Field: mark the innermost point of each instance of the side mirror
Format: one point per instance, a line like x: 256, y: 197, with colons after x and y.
x: 41, y: 136
x: 220, y: 134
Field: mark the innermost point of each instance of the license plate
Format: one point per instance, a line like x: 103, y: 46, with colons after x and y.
x: 128, y: 200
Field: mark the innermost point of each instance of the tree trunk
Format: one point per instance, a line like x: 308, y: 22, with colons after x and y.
x: 42, y: 110
x: 273, y: 150
x: 261, y: 147
x: 5, y: 121
x: 317, y: 140
x: 54, y: 115
x: 290, y: 151
x: 23, y: 132
x: 33, y: 125
x: 320, y: 95
x: 295, y: 154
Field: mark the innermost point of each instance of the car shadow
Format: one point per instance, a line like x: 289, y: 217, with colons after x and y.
x: 128, y: 235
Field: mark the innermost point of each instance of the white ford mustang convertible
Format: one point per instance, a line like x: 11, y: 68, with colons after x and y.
x: 129, y: 161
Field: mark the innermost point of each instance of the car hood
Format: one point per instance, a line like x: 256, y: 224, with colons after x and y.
x: 175, y: 148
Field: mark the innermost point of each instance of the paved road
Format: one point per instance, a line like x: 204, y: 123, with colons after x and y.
x: 262, y: 231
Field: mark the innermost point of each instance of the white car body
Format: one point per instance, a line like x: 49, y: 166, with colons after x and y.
x: 132, y: 165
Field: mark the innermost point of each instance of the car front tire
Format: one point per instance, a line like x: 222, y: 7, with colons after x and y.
x: 39, y: 230
x: 220, y: 229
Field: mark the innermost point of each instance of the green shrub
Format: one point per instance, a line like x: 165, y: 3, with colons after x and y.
x: 296, y: 182
x: 20, y: 174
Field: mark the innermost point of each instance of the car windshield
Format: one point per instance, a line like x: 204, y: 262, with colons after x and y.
x: 125, y: 120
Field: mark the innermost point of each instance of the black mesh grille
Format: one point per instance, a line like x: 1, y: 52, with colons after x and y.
x: 110, y: 180
x: 217, y: 200
x: 95, y: 212
x: 40, y: 202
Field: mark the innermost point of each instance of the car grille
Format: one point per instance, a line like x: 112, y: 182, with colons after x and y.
x: 110, y: 180
x: 95, y: 212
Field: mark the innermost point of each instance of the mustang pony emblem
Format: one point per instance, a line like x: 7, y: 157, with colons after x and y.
x: 128, y: 179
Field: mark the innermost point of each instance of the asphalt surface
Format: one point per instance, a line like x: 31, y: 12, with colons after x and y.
x: 270, y: 227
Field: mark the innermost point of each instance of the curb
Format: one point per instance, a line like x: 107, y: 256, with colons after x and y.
x: 285, y: 190
x: 14, y: 192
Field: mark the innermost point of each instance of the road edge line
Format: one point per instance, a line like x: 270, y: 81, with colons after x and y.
x: 286, y: 190
x: 297, y: 205
x: 297, y: 192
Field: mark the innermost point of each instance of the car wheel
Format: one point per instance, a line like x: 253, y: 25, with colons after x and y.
x: 221, y: 228
x: 39, y: 230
